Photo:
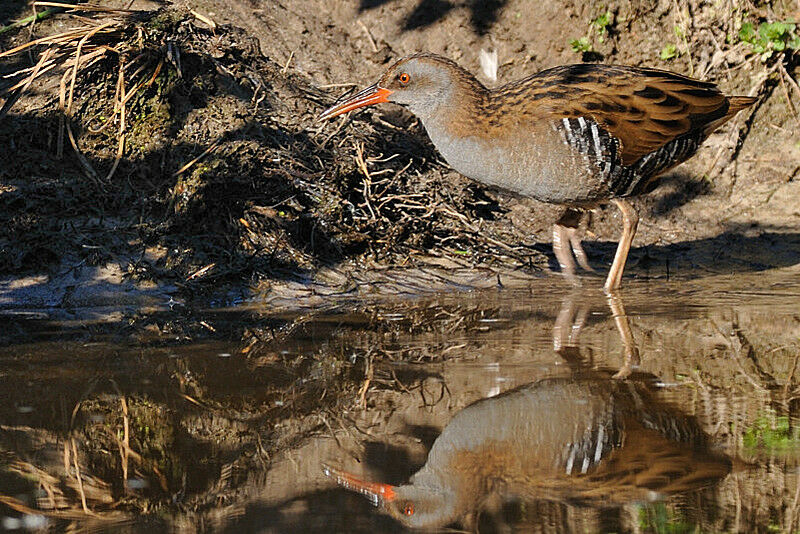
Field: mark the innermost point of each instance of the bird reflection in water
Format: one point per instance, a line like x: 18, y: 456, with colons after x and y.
x: 590, y: 439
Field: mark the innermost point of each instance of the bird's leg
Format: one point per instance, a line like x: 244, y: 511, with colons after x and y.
x: 565, y: 237
x: 562, y: 329
x: 575, y: 238
x: 561, y: 244
x: 567, y: 328
x: 624, y: 329
x: 630, y: 220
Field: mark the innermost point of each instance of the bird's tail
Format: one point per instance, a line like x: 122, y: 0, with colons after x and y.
x: 735, y: 105
x: 738, y: 103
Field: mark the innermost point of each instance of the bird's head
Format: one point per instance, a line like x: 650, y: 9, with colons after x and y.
x: 424, y: 83
x: 413, y: 505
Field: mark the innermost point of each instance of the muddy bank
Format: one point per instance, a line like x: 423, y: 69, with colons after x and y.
x: 224, y: 176
x: 225, y: 180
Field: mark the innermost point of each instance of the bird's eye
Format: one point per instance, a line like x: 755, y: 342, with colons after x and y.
x: 408, y: 509
x: 404, y: 79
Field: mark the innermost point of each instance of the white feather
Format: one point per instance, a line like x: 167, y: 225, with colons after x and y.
x: 489, y: 64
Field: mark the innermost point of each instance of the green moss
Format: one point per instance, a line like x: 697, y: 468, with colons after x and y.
x: 166, y: 20
x: 151, y: 112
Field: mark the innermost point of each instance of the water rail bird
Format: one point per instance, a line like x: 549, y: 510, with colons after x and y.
x: 583, y: 440
x: 574, y: 135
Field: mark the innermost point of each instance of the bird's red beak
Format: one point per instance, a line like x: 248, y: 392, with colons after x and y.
x: 369, y: 96
x: 374, y: 491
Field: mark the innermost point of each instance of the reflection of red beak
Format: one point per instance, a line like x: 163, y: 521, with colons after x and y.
x: 371, y: 95
x: 374, y: 491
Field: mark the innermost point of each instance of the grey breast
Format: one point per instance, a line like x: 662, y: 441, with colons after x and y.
x: 550, y: 161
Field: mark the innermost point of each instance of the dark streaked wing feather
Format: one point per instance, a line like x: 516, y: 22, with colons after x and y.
x: 644, y: 108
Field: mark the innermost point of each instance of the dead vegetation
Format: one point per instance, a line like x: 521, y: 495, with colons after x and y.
x: 199, y: 160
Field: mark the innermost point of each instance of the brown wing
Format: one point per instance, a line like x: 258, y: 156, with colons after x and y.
x: 643, y: 108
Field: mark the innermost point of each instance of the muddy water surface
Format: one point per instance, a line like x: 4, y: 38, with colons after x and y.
x: 670, y: 407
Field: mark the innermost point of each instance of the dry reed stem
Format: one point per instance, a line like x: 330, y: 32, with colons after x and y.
x: 10, y: 102
x: 60, y: 38
x: 19, y: 506
x: 142, y: 84
x: 120, y: 98
x: 87, y: 167
x: 62, y: 99
x: 86, y: 7
x: 51, y: 64
x: 207, y: 151
x: 77, y: 61
x: 203, y: 18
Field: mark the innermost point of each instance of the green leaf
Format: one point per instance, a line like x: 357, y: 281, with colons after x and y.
x: 770, y: 30
x: 602, y: 21
x: 759, y: 46
x: 747, y: 33
x: 668, y: 52
x: 581, y: 45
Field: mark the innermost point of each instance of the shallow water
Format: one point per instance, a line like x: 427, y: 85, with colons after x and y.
x: 222, y: 419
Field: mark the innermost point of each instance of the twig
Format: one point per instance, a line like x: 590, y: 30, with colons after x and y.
x: 30, y: 20
x: 125, y: 446
x: 201, y: 272
x: 288, y: 61
x: 369, y: 37
x: 368, y: 374
x: 367, y: 183
x: 784, y: 74
x: 10, y: 102
x: 684, y: 29
x: 120, y: 97
x: 86, y: 7
x: 198, y: 158
x: 203, y: 18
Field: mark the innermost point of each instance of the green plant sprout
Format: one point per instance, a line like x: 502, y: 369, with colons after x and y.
x: 770, y: 37
x: 670, y: 51
x: 581, y: 45
x: 600, y: 25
